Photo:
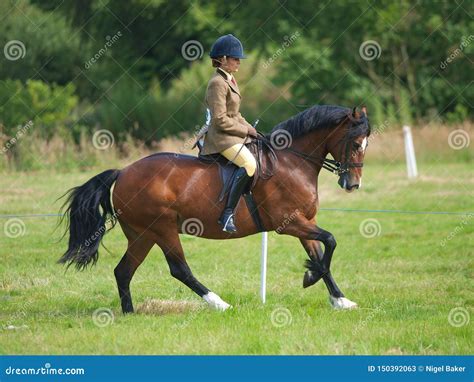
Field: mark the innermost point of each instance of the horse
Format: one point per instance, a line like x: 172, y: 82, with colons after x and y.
x: 166, y: 194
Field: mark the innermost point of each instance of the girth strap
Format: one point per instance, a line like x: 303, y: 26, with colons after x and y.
x: 253, y: 209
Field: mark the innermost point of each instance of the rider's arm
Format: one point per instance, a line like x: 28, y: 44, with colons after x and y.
x: 242, y: 120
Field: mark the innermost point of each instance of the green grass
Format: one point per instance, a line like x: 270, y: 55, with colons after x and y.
x: 404, y: 280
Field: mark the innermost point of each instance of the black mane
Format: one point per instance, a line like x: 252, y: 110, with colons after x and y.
x: 323, y: 117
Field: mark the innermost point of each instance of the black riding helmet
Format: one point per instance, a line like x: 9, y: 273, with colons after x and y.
x: 227, y: 45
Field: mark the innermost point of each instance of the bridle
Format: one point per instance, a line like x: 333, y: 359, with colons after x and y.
x: 331, y: 165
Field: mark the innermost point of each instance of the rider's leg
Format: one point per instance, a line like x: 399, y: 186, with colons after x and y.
x: 242, y: 157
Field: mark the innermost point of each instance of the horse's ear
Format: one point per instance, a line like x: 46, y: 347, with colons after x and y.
x: 355, y: 113
x: 364, y: 110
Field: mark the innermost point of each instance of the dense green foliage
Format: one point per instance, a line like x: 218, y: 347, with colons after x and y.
x: 119, y: 65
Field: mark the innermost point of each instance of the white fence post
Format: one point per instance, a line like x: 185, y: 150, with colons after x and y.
x: 410, y: 153
x: 263, y: 280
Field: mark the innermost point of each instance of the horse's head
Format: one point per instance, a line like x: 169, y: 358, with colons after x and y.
x: 348, y: 146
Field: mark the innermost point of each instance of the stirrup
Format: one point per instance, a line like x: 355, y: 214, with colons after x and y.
x: 228, y: 225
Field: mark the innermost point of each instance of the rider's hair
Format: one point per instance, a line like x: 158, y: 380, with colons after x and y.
x: 216, y: 62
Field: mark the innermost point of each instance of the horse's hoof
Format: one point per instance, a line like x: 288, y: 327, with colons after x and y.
x: 311, y: 278
x: 342, y: 303
x: 215, y: 302
x: 222, y: 307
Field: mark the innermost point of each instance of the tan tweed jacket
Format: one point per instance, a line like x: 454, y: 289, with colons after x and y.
x: 227, y: 127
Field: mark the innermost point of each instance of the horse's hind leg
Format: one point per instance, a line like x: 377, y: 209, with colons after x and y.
x: 316, y: 255
x: 138, y: 248
x: 170, y: 244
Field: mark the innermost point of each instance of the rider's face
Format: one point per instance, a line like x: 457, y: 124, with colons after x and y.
x: 231, y: 65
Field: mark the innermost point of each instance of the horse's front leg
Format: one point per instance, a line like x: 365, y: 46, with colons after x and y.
x: 316, y: 255
x: 320, y: 262
x: 317, y: 259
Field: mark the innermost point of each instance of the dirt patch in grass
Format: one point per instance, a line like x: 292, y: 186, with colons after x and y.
x: 165, y: 307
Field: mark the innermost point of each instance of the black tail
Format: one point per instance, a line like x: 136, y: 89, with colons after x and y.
x: 86, y: 221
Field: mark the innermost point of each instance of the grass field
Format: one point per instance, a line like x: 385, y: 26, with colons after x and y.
x: 412, y: 281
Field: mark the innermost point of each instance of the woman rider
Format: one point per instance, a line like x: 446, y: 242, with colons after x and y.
x: 228, y: 130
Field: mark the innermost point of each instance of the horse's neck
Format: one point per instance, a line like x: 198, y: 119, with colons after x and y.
x: 312, y: 144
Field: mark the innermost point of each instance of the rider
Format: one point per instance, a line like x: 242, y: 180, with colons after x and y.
x: 228, y: 130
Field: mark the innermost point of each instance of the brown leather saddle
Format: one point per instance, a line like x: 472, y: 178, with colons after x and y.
x: 266, y: 159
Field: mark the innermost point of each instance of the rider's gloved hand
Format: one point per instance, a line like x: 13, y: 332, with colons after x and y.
x: 252, y: 132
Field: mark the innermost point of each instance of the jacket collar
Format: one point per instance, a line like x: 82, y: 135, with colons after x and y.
x: 228, y: 78
x: 227, y: 75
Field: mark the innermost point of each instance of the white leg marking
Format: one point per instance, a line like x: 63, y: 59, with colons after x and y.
x: 215, y: 302
x: 364, y: 146
x: 340, y: 303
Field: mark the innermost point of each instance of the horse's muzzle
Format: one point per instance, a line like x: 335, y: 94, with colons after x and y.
x: 345, y: 183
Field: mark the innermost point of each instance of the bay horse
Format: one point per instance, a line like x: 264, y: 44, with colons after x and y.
x: 163, y: 195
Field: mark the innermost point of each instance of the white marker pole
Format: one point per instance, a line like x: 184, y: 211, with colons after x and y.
x: 410, y: 153
x: 263, y: 281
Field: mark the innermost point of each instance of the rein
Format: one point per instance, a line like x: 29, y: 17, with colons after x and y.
x: 331, y: 165
x: 328, y: 164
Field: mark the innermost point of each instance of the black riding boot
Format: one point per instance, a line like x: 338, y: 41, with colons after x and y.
x: 239, y: 184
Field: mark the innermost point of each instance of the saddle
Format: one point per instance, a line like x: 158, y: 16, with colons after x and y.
x: 265, y: 157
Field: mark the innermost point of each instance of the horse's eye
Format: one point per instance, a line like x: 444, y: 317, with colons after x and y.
x: 357, y: 146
